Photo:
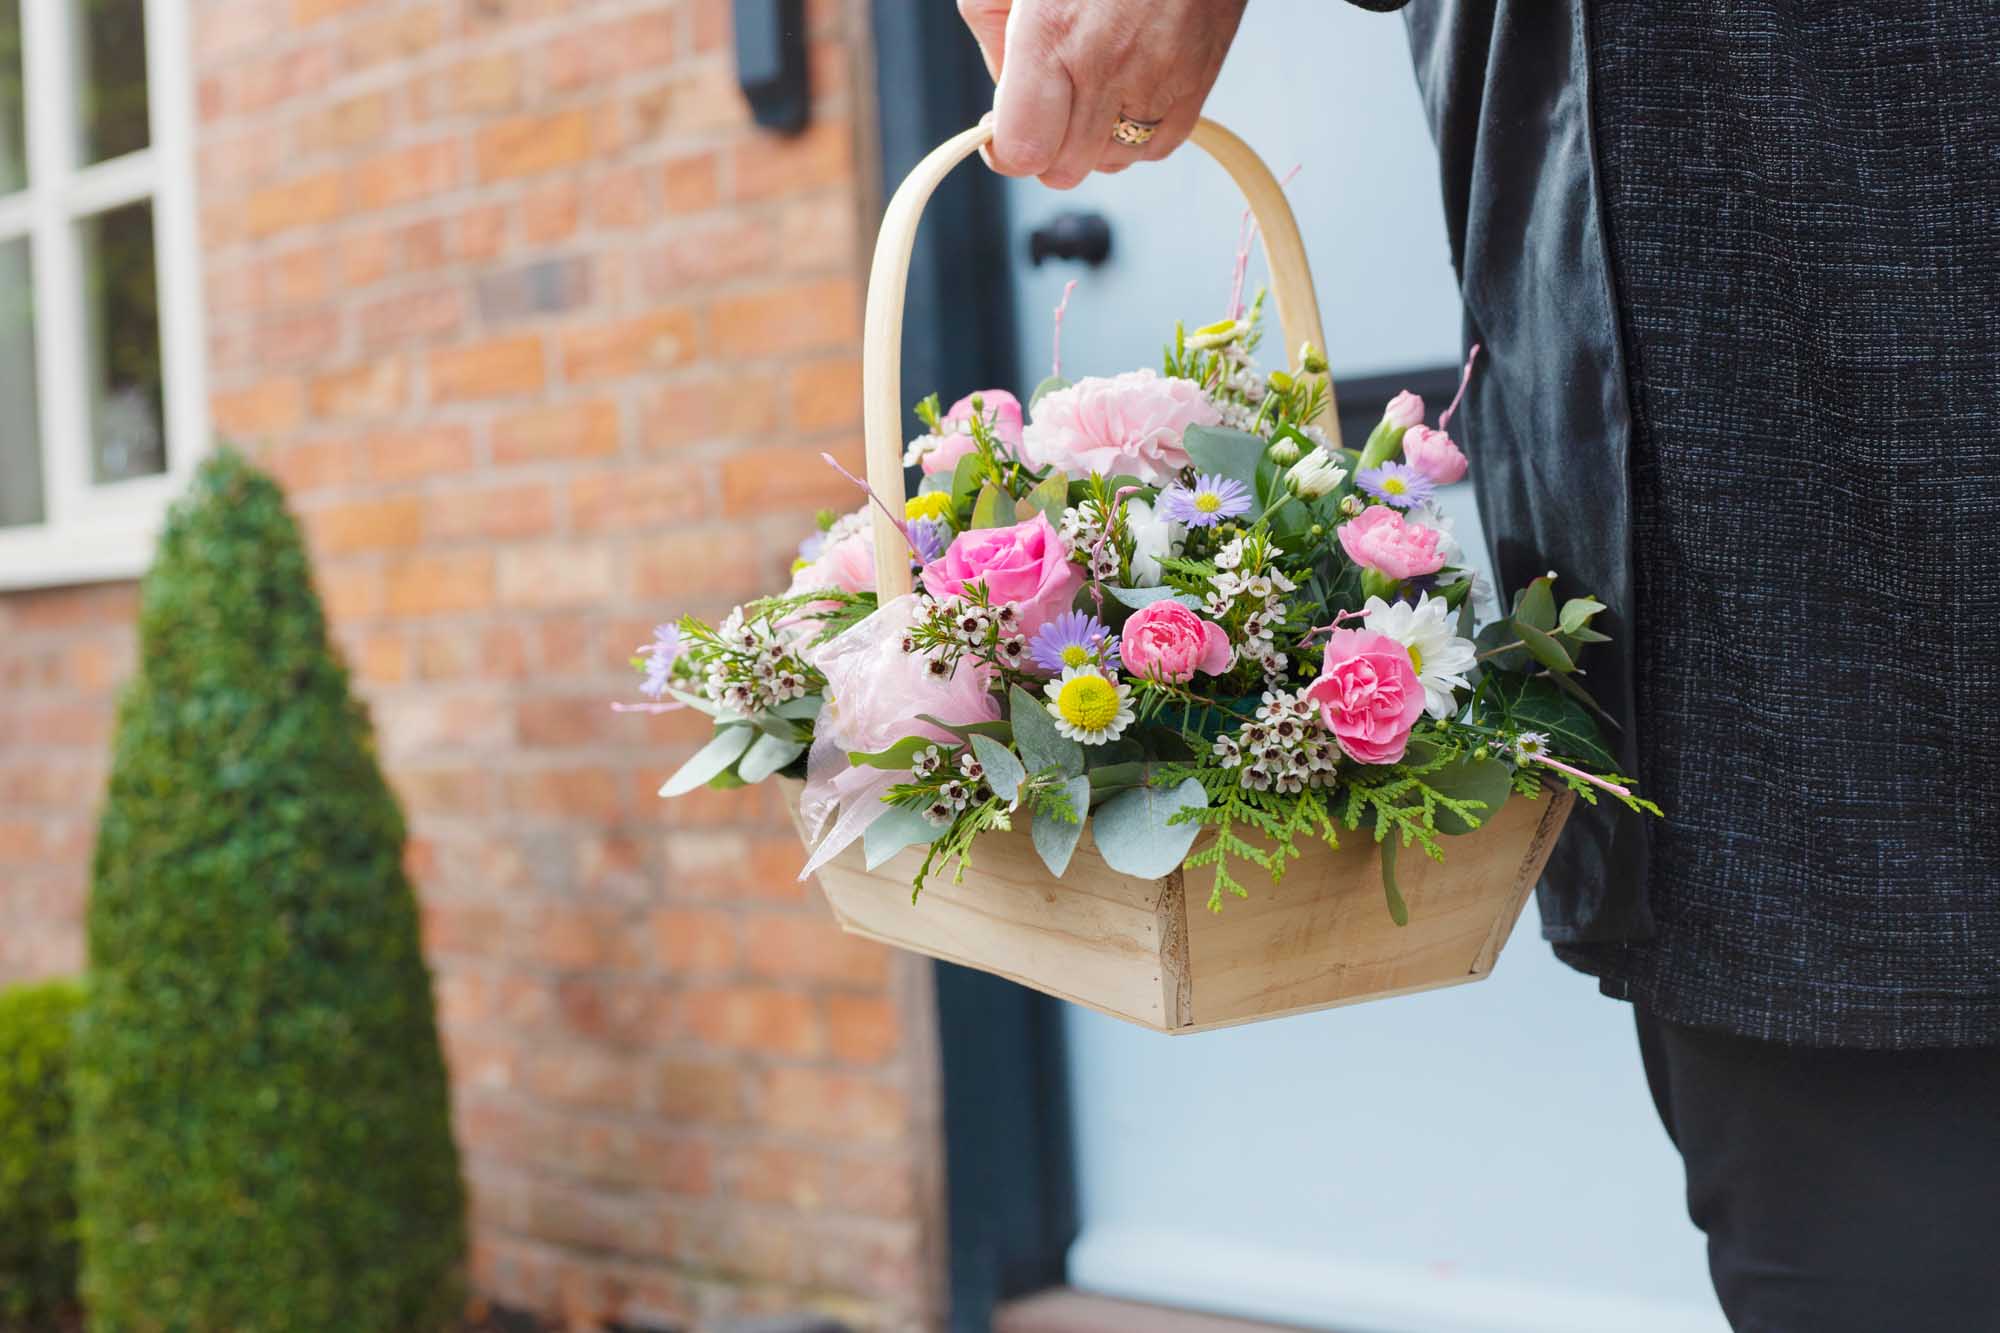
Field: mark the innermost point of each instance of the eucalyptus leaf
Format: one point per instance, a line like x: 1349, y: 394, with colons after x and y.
x: 1230, y: 453
x: 1035, y: 736
x: 1464, y: 630
x: 1577, y: 611
x: 1133, y: 833
x: 711, y: 760
x: 1399, y: 911
x: 1486, y: 780
x: 1140, y: 597
x: 1050, y: 497
x: 766, y: 756
x: 1536, y: 604
x: 898, y: 756
x: 992, y: 509
x: 801, y: 709
x: 935, y: 483
x: 1117, y: 777
x: 999, y: 731
x: 1044, y: 389
x: 1003, y: 770
x: 965, y: 479
x: 894, y: 829
x: 1055, y: 839
x: 1543, y: 648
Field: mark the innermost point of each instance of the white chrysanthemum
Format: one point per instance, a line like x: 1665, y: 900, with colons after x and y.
x: 1440, y: 656
x: 1089, y: 706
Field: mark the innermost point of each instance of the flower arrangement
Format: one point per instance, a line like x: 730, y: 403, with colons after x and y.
x: 1158, y: 604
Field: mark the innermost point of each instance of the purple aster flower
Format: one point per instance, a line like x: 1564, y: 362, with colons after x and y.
x: 1206, y: 503
x: 660, y: 656
x: 1074, y: 639
x: 1396, y: 484
x: 928, y: 538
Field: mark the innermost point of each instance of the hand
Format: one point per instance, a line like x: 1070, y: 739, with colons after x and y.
x: 1068, y: 69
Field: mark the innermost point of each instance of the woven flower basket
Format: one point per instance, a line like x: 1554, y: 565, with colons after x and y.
x: 1148, y: 950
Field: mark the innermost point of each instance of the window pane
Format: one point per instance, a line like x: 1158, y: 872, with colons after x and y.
x: 13, y: 101
x: 110, y: 44
x: 20, y: 436
x: 122, y: 296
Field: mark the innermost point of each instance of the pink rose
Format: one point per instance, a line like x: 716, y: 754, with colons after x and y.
x: 1368, y: 695
x: 874, y: 690
x: 1404, y: 411
x: 1002, y: 413
x: 1166, y: 641
x: 1129, y: 425
x: 1381, y: 540
x: 1026, y: 564
x: 1432, y: 453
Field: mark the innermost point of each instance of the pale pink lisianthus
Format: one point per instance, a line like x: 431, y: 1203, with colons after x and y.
x: 1166, y: 641
x: 1002, y: 413
x: 1026, y: 564
x: 1381, y: 540
x: 1404, y: 411
x: 1432, y: 453
x: 847, y: 565
x: 875, y: 690
x: 1368, y: 695
x: 1127, y: 425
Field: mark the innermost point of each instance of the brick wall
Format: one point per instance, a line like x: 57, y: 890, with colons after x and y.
x: 545, y: 339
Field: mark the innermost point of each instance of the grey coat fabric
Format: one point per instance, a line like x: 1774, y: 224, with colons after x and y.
x: 1736, y: 265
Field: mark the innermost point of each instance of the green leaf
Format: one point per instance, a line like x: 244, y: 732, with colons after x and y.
x: 898, y: 756
x: 1536, y: 604
x: 965, y: 731
x: 1003, y: 771
x: 1232, y: 453
x: 935, y: 482
x: 894, y: 829
x: 1498, y: 635
x: 1577, y: 611
x: 1138, y: 597
x: 1055, y: 839
x: 1486, y: 780
x: 1537, y: 703
x: 1543, y: 648
x: 1399, y: 911
x: 1464, y: 630
x: 1042, y: 747
x: 1051, y: 497
x: 1134, y: 834
x: 965, y: 480
x: 991, y: 509
x: 711, y: 760
x: 1044, y: 389
x: 767, y: 756
x: 1116, y: 777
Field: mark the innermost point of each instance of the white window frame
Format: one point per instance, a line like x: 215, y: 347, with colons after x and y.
x: 89, y: 531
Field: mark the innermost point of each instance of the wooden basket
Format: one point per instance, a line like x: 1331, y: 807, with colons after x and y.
x: 1149, y: 951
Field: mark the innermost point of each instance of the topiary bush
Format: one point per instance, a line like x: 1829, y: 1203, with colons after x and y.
x: 37, y: 1165
x: 263, y: 1138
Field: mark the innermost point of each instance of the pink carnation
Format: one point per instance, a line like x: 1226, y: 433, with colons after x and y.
x: 1368, y: 695
x: 875, y: 690
x: 1026, y: 564
x: 1432, y: 453
x: 1128, y: 425
x: 1002, y: 412
x: 1382, y: 540
x: 1166, y: 641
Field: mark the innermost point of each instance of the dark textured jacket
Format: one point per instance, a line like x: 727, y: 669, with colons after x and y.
x: 1736, y: 267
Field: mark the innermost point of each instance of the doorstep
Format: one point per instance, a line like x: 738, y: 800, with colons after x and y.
x: 1062, y: 1310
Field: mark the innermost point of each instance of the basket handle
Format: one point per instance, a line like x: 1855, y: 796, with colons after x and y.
x: 888, y: 281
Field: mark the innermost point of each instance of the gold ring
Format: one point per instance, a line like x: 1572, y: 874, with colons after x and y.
x: 1134, y: 133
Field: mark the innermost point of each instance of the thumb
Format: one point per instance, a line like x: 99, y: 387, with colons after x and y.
x: 988, y: 21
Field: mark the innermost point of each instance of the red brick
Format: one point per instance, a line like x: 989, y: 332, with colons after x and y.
x: 368, y: 525
x: 762, y: 481
x: 575, y: 1075
x: 482, y: 232
x: 803, y: 317
x: 556, y: 575
x: 767, y: 166
x: 710, y: 411
x: 364, y: 391
x: 824, y: 395
x: 486, y: 84
x: 679, y: 563
x: 812, y: 948
x: 437, y: 584
x: 406, y: 455
x: 272, y: 407
x: 567, y: 722
x: 655, y: 342
x: 572, y: 935
x: 573, y: 431
x: 692, y: 941
x: 728, y: 250
x: 397, y: 177
x: 622, y: 198
x: 310, y: 201
x: 528, y: 145
x: 582, y: 793
x: 550, y: 212
x: 501, y: 368
x: 425, y: 314
x: 827, y: 1105
x: 651, y: 496
x: 706, y: 1092
x: 753, y: 1019
x: 862, y: 1029
x: 354, y: 123
x: 495, y: 512
x: 692, y: 184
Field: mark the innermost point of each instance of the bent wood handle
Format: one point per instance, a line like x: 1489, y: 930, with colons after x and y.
x: 888, y: 282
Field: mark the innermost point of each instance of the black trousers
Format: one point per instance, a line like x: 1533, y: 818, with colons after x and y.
x: 1842, y: 1191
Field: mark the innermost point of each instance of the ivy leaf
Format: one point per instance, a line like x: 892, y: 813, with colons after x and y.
x: 1399, y: 911
x: 1229, y: 453
x: 990, y: 509
x: 1536, y: 703
x: 1041, y: 745
x: 1486, y: 780
x: 711, y: 760
x: 1044, y: 389
x: 1055, y: 839
x: 894, y: 829
x: 1134, y: 835
x: 1003, y: 771
x: 767, y: 756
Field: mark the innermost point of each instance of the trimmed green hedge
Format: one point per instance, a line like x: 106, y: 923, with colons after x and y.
x: 37, y: 1164
x: 263, y: 1134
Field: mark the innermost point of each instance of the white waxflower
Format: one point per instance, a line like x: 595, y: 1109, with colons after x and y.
x: 1315, y: 475
x: 1440, y: 657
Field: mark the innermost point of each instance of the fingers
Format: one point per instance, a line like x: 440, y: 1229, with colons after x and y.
x: 1031, y: 110
x: 1086, y: 139
x: 988, y: 21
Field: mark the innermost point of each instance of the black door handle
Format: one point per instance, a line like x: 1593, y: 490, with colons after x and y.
x: 1083, y: 236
